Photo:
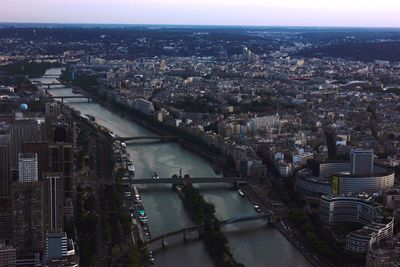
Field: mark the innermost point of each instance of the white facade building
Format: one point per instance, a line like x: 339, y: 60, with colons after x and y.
x: 27, y: 167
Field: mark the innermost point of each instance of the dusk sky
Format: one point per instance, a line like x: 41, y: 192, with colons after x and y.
x: 366, y: 13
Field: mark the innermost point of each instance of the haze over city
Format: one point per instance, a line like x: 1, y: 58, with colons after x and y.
x: 340, y: 13
x: 174, y: 133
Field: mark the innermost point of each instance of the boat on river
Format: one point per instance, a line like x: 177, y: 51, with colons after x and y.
x: 155, y: 175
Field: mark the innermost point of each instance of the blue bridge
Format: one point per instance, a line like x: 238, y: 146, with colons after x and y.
x: 245, y: 217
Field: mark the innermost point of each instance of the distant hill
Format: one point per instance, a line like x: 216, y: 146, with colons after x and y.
x: 364, y: 51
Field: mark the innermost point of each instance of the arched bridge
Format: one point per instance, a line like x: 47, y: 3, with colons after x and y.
x: 197, y: 180
x: 197, y: 228
x: 50, y: 85
x: 89, y: 98
x: 245, y: 217
x: 161, y: 138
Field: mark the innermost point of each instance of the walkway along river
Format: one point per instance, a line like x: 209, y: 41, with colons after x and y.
x: 252, y: 243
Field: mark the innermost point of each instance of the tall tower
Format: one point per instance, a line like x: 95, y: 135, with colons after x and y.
x: 28, y: 167
x: 53, y: 201
x: 5, y: 173
x: 27, y: 218
x: 61, y: 161
x: 362, y: 161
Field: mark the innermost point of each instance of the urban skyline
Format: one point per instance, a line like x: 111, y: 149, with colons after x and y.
x: 139, y: 140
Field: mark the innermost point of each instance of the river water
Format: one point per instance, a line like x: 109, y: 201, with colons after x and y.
x: 252, y: 243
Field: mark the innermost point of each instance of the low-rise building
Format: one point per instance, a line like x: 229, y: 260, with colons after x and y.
x: 360, y: 209
x: 391, y: 199
x: 386, y: 254
x: 7, y: 256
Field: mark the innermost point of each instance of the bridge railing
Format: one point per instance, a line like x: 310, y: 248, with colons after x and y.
x: 235, y: 219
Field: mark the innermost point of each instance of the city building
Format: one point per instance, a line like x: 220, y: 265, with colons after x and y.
x: 53, y: 201
x: 28, y: 220
x: 23, y: 130
x: 5, y: 222
x: 28, y: 167
x: 391, y: 199
x: 362, y: 162
x: 359, y: 208
x: 143, y: 106
x: 386, y: 254
x: 7, y: 256
x: 56, y: 245
x: 336, y: 178
x: 61, y: 161
x: 5, y: 162
x: 41, y: 149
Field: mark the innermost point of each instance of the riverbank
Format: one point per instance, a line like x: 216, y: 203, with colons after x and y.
x: 166, y: 212
x: 186, y: 139
x: 215, y: 241
x: 117, y: 224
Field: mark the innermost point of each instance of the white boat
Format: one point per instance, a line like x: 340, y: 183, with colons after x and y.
x: 257, y: 208
x: 155, y: 175
x: 131, y: 168
x: 240, y: 192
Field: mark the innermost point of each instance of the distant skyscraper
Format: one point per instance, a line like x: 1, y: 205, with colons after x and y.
x: 362, y: 161
x: 59, y: 130
x: 28, y: 167
x: 42, y: 151
x: 23, y: 130
x: 28, y: 220
x: 60, y: 133
x: 5, y: 173
x: 61, y: 161
x: 54, y: 201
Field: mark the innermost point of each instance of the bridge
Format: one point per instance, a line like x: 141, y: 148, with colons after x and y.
x: 162, y: 138
x: 89, y: 98
x: 198, y: 228
x: 245, y: 217
x: 49, y: 85
x: 188, y: 180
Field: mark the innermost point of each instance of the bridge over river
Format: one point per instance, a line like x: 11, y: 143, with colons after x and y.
x: 198, y: 228
x: 162, y: 138
x: 88, y: 98
x: 197, y: 180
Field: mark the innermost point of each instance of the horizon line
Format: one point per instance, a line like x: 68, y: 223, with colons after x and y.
x: 199, y: 25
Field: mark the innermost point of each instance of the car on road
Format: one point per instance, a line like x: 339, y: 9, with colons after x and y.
x: 147, y: 234
x: 257, y: 208
x: 151, y: 258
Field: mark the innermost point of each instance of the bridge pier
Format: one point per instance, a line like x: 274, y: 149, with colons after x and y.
x: 164, y: 242
x: 200, y: 232
x: 185, y: 238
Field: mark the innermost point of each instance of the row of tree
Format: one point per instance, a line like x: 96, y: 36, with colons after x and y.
x: 32, y: 69
x: 203, y: 213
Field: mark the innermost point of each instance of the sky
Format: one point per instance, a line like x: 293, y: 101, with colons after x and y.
x: 341, y: 13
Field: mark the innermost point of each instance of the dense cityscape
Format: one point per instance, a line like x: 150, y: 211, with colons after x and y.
x: 127, y: 145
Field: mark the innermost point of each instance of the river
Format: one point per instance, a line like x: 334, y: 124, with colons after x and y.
x: 252, y: 243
